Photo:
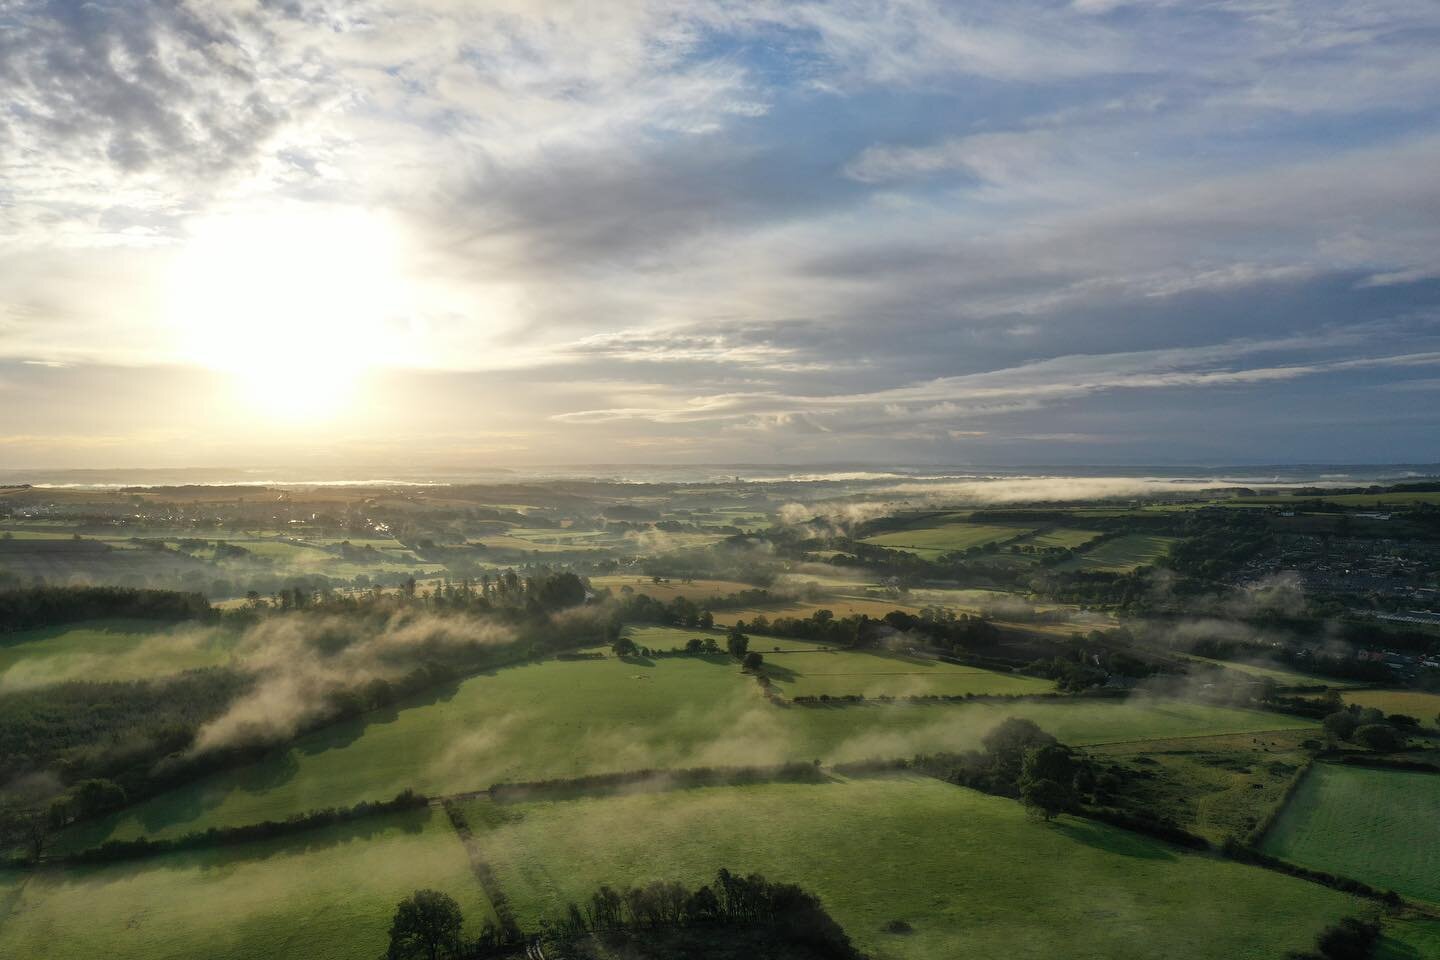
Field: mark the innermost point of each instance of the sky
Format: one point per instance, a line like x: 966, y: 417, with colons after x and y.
x: 456, y: 232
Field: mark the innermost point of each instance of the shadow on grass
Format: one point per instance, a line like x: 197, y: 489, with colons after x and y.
x: 1113, y: 840
x: 207, y: 859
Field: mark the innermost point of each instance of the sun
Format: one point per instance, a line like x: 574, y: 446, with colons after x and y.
x: 295, y: 305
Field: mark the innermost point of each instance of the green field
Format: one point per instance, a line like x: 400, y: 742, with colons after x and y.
x: 325, y: 894
x: 1413, y: 939
x: 1281, y: 675
x: 971, y: 873
x: 1066, y: 538
x: 1424, y: 707
x: 108, y: 650
x: 839, y: 672
x: 1379, y: 826
x: 567, y: 718
x: 945, y: 538
x: 1121, y: 554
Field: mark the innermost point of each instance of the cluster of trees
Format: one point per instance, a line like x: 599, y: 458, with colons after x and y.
x: 743, y: 911
x: 1368, y: 727
x: 34, y: 607
x: 936, y: 627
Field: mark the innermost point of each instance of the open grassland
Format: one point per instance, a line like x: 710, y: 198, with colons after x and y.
x: 1068, y: 538
x: 108, y: 650
x: 971, y: 873
x: 1379, y: 826
x: 1410, y: 939
x: 569, y: 718
x: 674, y: 638
x: 875, y: 674
x: 325, y: 894
x: 1281, y: 675
x: 1423, y: 706
x: 1121, y: 554
x: 946, y: 538
x: 1217, y: 787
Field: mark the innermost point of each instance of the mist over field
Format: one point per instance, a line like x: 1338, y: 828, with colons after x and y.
x: 841, y: 480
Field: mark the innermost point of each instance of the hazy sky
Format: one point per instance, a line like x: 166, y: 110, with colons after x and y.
x: 453, y: 232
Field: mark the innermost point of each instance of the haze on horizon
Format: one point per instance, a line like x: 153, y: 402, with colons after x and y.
x: 430, y: 231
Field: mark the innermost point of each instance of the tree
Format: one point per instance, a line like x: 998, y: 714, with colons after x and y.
x: 1047, y: 779
x: 706, y: 619
x: 737, y: 643
x: 624, y: 647
x: 753, y: 661
x: 1008, y: 742
x: 1379, y: 737
x: 427, y: 923
x: 1341, y: 725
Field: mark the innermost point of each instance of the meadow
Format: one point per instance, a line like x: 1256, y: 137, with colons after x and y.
x: 1121, y: 554
x: 932, y: 541
x: 568, y: 718
x: 1379, y: 826
x: 327, y: 895
x: 799, y: 673
x: 971, y: 873
x: 1281, y: 675
x: 100, y: 650
x: 1066, y: 538
x: 1423, y: 706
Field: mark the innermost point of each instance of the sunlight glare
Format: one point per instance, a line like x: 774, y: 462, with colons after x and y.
x: 296, y: 305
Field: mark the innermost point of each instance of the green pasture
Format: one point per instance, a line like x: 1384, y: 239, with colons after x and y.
x: 100, y: 650
x: 972, y: 874
x: 1423, y: 706
x: 568, y: 718
x: 1121, y: 554
x: 1281, y: 675
x: 1217, y: 787
x: 875, y: 674
x: 947, y: 537
x: 1067, y: 538
x: 1379, y: 826
x: 323, y: 895
x: 1410, y: 939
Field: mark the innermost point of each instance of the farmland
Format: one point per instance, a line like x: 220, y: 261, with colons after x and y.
x: 1423, y: 706
x: 1071, y: 888
x: 946, y: 538
x: 1379, y: 826
x: 567, y: 718
x: 108, y: 650
x: 838, y: 673
x: 1122, y: 554
x: 328, y: 894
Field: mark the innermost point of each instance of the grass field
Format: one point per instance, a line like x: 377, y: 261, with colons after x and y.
x: 945, y: 538
x: 108, y: 650
x: 1281, y: 675
x: 567, y: 718
x: 1121, y: 554
x: 839, y: 672
x: 1424, y: 707
x: 1379, y: 826
x: 1412, y: 939
x: 1067, y: 538
x: 327, y: 895
x: 1214, y: 786
x: 969, y: 872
